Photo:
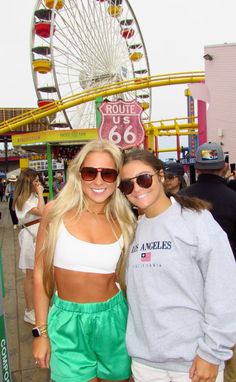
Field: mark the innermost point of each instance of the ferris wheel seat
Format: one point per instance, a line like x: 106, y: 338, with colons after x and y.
x: 42, y: 29
x: 50, y: 4
x: 127, y: 33
x: 43, y: 50
x: 136, y: 56
x: 142, y: 96
x: 115, y: 10
x: 144, y: 105
x: 141, y: 71
x: 45, y: 103
x: 47, y: 89
x: 126, y: 22
x: 42, y: 66
x: 140, y: 80
x: 43, y: 14
x: 135, y: 46
x: 115, y: 2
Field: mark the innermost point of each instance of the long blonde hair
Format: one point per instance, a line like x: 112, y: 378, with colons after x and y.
x: 23, y: 188
x: 117, y: 210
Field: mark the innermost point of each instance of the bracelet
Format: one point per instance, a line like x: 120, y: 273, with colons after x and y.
x: 45, y: 330
x: 42, y: 326
x: 44, y: 334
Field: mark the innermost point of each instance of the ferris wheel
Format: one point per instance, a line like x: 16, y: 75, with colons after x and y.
x: 83, y: 44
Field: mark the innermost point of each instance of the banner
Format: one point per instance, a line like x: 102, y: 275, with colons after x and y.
x: 5, y: 375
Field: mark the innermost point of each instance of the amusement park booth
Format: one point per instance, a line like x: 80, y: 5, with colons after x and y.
x: 51, y: 151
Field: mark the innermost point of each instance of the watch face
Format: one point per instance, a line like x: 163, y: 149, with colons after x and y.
x: 36, y: 332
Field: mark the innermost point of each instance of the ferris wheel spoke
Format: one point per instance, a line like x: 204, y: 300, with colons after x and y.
x: 80, y: 52
x: 71, y: 56
x: 62, y: 54
x: 112, y: 47
x: 97, y: 49
x: 63, y: 36
x: 84, y: 31
x: 105, y: 22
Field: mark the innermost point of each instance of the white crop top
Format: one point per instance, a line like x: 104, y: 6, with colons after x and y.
x: 78, y: 255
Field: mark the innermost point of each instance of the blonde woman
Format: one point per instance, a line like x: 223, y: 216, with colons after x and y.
x: 81, y: 252
x: 28, y: 204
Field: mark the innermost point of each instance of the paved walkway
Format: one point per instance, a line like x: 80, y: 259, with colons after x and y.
x: 18, y: 332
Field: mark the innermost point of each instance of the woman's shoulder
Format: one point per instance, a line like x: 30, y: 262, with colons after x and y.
x: 196, y: 214
x: 32, y: 196
x: 202, y: 222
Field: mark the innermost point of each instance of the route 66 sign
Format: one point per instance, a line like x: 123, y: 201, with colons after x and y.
x: 121, y: 123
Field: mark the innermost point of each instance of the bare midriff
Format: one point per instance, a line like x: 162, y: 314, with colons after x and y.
x: 84, y: 287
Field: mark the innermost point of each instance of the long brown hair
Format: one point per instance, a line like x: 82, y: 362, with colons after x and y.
x: 149, y: 159
x: 23, y: 188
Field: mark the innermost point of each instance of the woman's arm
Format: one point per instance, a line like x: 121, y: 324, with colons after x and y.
x: 38, y: 210
x: 217, y: 266
x: 41, y: 345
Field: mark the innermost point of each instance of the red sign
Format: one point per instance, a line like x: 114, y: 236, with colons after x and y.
x: 121, y: 123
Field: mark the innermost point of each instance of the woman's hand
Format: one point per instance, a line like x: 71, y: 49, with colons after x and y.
x: 203, y: 371
x: 41, y: 352
x: 39, y: 188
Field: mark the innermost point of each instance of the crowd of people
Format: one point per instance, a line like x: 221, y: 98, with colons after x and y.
x: 112, y: 296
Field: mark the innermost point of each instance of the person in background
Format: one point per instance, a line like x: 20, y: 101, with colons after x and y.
x: 180, y: 278
x: 10, y: 189
x: 29, y: 205
x: 2, y: 190
x: 4, y: 199
x: 212, y: 186
x: 174, y: 177
x: 81, y: 251
x: 231, y: 181
x: 58, y: 183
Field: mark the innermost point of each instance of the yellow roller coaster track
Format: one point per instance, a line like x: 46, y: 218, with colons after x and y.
x: 104, y: 91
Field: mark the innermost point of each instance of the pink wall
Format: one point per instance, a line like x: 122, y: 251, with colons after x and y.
x: 221, y: 82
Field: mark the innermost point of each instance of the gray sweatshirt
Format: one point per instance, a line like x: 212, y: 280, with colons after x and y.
x: 181, y: 288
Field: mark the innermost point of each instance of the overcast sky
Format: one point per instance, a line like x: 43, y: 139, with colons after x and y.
x: 175, y: 33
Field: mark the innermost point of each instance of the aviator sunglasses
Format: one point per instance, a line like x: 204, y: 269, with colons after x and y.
x: 143, y: 180
x: 109, y: 175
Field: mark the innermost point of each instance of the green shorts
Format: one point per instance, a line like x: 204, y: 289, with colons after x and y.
x: 88, y: 340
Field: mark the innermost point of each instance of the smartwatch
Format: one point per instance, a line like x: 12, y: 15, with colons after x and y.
x: 39, y: 331
x: 36, y: 332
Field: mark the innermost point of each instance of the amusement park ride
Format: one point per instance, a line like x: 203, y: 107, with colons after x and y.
x: 84, y: 52
x: 106, y: 91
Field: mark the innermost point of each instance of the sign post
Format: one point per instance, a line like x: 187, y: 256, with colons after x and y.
x: 121, y: 123
x: 5, y: 375
x: 98, y: 102
x: 50, y: 174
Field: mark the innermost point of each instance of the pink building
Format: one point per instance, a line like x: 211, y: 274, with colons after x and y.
x: 220, y: 69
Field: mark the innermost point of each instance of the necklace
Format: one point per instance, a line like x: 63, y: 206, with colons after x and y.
x: 96, y: 213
